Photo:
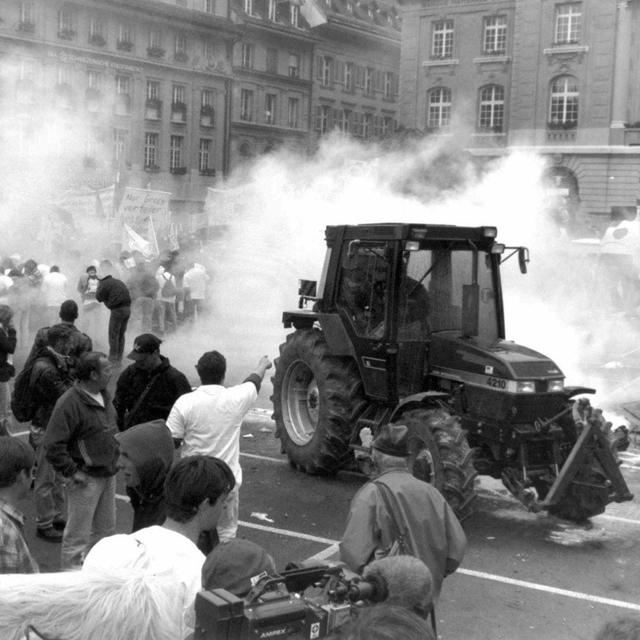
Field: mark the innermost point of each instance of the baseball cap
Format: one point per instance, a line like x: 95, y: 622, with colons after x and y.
x: 144, y: 344
x: 392, y: 440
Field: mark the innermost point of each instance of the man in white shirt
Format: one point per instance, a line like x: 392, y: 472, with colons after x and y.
x: 208, y: 421
x: 54, y: 290
x: 195, y: 491
x: 195, y: 285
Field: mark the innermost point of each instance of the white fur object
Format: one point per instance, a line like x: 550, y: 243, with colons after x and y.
x: 76, y: 605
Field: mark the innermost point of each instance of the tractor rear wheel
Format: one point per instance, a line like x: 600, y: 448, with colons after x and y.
x: 440, y: 455
x: 316, y: 400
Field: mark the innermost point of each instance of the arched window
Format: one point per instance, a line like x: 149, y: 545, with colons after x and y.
x: 438, y: 108
x: 563, y: 107
x: 491, y: 112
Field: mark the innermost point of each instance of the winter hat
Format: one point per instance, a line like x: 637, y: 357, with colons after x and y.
x: 232, y: 564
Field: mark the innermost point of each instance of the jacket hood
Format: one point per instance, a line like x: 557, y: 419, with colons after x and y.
x: 150, y: 447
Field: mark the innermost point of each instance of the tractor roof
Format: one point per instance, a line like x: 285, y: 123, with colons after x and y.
x: 482, y: 236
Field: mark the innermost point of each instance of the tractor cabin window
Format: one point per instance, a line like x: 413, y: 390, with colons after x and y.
x: 363, y: 283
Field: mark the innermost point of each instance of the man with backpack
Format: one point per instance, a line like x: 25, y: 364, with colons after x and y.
x: 48, y: 378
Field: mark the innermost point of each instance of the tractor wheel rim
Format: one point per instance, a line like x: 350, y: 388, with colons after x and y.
x: 300, y: 402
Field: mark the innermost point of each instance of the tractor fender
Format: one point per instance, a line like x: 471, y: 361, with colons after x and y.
x: 570, y: 392
x: 417, y: 400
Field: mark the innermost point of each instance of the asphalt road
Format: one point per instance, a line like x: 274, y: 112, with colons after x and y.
x: 525, y: 576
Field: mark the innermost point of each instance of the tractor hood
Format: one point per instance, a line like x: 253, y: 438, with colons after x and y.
x: 453, y: 356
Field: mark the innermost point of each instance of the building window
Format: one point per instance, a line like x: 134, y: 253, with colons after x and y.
x: 96, y: 32
x: 27, y: 16
x: 272, y: 10
x: 119, y: 145
x: 491, y: 115
x: 568, y: 23
x: 65, y: 24
x: 175, y: 153
x: 347, y: 81
x: 294, y: 65
x: 563, y: 109
x: 272, y: 61
x: 246, y: 105
x: 180, y: 48
x: 178, y: 104
x: 204, y: 156
x: 248, y: 7
x: 247, y: 55
x: 155, y: 50
x: 368, y: 80
x: 151, y: 141
x: 325, y: 71
x: 293, y: 113
x: 208, y: 49
x: 125, y: 37
x: 324, y: 118
x: 442, y: 39
x: 495, y: 35
x: 270, y: 108
x: 153, y: 104
x: 343, y: 120
x: 439, y: 108
x: 123, y: 95
x: 367, y: 125
x: 388, y: 85
x: 209, y: 6
x: 386, y: 125
x: 177, y: 94
x: 294, y: 14
x: 207, y: 110
x: 94, y: 79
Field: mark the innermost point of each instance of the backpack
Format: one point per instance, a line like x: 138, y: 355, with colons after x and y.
x: 168, y: 288
x: 22, y: 407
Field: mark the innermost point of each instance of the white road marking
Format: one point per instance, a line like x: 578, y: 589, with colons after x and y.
x: 286, y: 532
x: 619, y: 519
x: 324, y: 554
x: 541, y: 587
x: 267, y: 458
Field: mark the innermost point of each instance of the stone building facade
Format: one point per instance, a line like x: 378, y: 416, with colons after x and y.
x: 553, y: 76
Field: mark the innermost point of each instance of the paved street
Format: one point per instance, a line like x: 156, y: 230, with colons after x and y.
x: 524, y: 576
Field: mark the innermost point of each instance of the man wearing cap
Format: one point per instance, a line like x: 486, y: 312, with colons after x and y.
x: 208, y: 420
x: 147, y: 389
x: 395, y: 507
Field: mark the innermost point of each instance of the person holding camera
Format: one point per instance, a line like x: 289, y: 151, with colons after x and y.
x: 396, y: 512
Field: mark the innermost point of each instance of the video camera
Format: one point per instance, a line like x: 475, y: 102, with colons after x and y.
x: 297, y: 604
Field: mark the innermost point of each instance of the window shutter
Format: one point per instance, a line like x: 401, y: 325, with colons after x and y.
x: 377, y: 80
x: 330, y: 119
x: 359, y: 76
x: 339, y: 72
x: 318, y: 126
x: 376, y: 125
x: 319, y: 61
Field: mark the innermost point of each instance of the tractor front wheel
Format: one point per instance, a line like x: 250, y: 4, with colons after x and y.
x: 316, y: 400
x: 440, y: 455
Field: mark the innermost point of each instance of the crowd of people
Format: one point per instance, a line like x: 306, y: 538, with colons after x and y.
x: 178, y: 451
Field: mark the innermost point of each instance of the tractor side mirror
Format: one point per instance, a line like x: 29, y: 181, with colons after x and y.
x: 523, y: 258
x: 307, y: 290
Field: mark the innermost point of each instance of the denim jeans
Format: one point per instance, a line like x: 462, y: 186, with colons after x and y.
x: 118, y: 320
x: 91, y: 517
x: 48, y: 487
x: 142, y: 314
x: 228, y: 522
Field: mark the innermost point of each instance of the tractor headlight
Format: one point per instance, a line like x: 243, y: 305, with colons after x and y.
x: 525, y: 386
x: 555, y: 386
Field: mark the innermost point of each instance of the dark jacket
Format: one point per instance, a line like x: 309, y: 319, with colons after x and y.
x: 150, y: 448
x: 81, y: 435
x: 49, y: 379
x: 77, y: 342
x: 113, y: 292
x: 167, y: 386
x: 7, y: 343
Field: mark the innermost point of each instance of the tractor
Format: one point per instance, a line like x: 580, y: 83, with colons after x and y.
x: 406, y: 325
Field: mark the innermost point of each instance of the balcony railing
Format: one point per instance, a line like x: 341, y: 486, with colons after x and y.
x: 124, y: 45
x: 155, y: 52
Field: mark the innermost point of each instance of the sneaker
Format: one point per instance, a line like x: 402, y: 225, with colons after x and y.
x: 50, y: 533
x: 59, y: 524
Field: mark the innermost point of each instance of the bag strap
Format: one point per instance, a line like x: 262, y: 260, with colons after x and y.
x: 401, y: 536
x: 142, y: 396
